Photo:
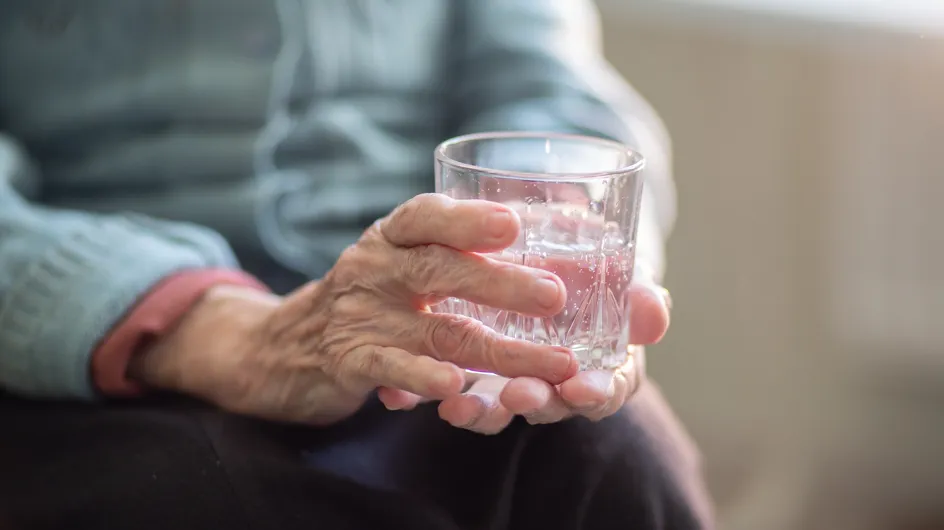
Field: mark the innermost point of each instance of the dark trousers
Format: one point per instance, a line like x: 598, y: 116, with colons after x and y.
x: 172, y: 464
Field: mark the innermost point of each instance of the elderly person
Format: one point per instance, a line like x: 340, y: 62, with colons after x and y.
x: 202, y: 326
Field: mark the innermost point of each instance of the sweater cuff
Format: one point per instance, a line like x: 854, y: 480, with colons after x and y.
x: 77, y: 287
x: 154, y: 315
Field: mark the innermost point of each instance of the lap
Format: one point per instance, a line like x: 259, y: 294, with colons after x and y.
x: 170, y: 463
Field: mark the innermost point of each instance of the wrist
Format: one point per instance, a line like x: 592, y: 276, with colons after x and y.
x: 207, y: 338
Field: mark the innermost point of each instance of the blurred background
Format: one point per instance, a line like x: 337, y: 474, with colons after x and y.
x: 807, y: 265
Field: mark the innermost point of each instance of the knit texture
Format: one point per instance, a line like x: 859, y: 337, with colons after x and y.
x: 67, y: 279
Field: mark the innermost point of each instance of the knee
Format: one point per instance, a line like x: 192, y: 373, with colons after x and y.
x: 638, y: 467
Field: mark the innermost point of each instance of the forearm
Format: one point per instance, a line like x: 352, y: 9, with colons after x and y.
x: 67, y: 277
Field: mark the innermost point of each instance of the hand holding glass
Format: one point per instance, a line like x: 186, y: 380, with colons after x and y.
x: 578, y: 199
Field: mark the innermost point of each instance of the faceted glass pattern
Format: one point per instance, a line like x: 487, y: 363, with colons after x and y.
x: 578, y: 199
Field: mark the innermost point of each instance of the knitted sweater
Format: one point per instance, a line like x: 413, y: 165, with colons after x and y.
x: 139, y: 139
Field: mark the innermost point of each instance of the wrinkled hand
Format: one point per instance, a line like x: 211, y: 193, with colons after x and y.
x: 316, y: 355
x: 491, y: 402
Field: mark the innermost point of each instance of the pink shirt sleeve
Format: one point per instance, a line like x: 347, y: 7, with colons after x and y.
x: 155, y: 314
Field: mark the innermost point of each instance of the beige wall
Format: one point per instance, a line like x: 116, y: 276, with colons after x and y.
x: 807, y: 266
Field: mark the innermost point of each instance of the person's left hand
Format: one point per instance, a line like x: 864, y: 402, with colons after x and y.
x: 490, y: 402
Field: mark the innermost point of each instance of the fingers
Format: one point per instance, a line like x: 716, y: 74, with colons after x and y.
x: 472, y: 226
x: 469, y: 344
x: 534, y: 399
x: 439, y: 237
x: 480, y: 409
x: 396, y: 399
x: 492, y: 401
x: 437, y: 271
x: 588, y: 391
x: 649, y: 318
x: 396, y: 368
x: 598, y: 394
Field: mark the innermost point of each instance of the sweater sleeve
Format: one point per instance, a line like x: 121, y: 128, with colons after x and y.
x: 67, y: 277
x: 528, y: 65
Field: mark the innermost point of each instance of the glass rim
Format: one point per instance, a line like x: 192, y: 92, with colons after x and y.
x: 636, y: 160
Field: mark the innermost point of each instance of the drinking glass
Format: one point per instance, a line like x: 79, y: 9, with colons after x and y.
x: 578, y: 199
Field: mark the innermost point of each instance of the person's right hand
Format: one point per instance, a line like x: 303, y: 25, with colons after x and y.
x: 315, y: 355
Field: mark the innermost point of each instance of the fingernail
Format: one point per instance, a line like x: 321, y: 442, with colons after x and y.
x: 485, y: 403
x: 547, y: 292
x: 484, y: 400
x: 499, y: 223
x: 564, y: 364
x: 667, y: 297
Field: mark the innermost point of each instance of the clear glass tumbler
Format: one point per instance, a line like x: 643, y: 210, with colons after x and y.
x: 578, y: 199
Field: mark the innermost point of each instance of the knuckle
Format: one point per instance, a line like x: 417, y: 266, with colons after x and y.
x: 350, y: 255
x: 455, y: 337
x: 424, y: 265
x: 404, y: 220
x: 373, y: 363
x: 410, y: 217
x: 430, y: 202
x: 353, y: 258
x: 334, y: 363
x: 360, y: 264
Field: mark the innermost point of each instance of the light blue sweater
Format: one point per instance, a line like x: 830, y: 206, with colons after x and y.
x: 139, y: 138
